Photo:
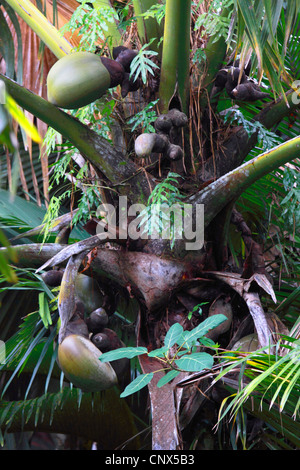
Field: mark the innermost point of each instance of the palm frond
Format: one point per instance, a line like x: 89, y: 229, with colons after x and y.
x: 32, y: 344
x: 101, y: 417
x: 257, y: 32
x: 5, y: 269
x: 18, y: 216
x: 272, y: 382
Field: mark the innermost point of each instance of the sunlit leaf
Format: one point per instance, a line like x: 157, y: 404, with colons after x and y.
x: 17, y: 114
x: 195, y: 362
x: 173, y: 335
x: 120, y: 353
x: 204, y: 327
x: 44, y: 310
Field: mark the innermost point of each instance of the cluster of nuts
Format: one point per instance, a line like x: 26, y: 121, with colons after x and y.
x: 167, y: 128
x: 238, y: 85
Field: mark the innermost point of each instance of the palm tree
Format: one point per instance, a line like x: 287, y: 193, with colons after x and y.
x: 225, y: 148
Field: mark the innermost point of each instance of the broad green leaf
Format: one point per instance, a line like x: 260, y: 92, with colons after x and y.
x: 120, y: 353
x: 207, y: 342
x: 185, y: 339
x: 204, y: 327
x: 158, y: 352
x: 168, y: 377
x: 173, y: 335
x: 195, y: 362
x: 136, y: 385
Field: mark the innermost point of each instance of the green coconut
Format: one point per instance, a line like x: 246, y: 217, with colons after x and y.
x: 78, y: 358
x: 77, y: 80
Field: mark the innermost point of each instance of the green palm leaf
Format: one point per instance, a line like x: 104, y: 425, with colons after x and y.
x: 73, y: 412
x: 273, y: 382
x: 258, y: 25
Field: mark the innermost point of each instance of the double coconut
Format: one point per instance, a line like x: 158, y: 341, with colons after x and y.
x: 87, y: 337
x: 80, y: 78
